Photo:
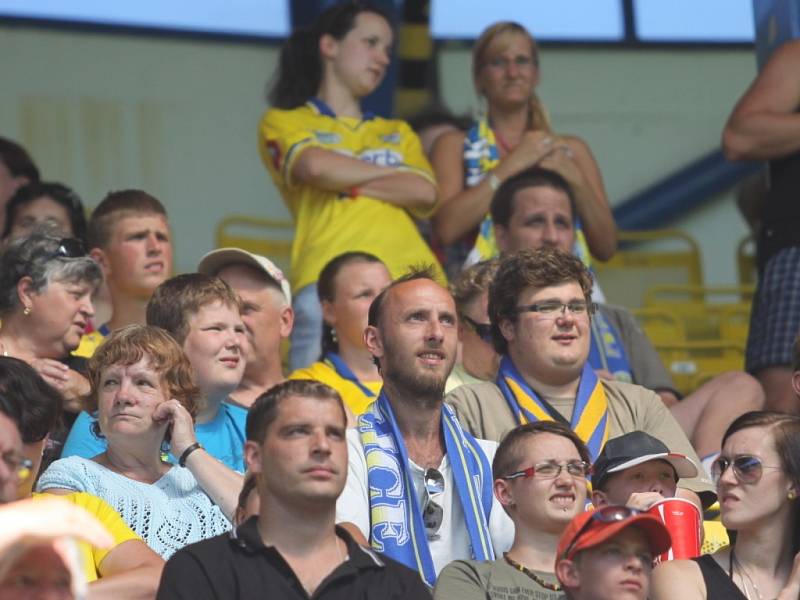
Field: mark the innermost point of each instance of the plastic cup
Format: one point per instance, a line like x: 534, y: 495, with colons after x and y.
x: 683, y: 520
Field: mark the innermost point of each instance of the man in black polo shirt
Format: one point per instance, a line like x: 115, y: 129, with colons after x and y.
x: 292, y: 549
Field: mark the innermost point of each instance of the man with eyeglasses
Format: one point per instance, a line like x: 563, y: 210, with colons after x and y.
x: 540, y: 307
x: 608, y: 554
x: 534, y: 209
x: 419, y: 488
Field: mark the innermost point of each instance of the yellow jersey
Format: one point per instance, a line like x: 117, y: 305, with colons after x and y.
x: 355, y: 399
x: 328, y: 223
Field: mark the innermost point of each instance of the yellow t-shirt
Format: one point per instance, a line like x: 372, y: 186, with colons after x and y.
x: 329, y: 223
x: 91, y: 556
x: 356, y: 400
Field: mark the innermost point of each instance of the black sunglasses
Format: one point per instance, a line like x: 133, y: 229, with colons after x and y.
x: 484, y: 330
x: 432, y: 512
x: 68, y: 248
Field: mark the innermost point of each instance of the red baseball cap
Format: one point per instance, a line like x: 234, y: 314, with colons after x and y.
x: 592, y: 528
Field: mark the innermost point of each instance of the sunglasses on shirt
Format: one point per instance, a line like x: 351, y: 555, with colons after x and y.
x: 432, y: 511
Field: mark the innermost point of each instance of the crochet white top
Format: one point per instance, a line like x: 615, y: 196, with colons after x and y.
x: 168, y: 514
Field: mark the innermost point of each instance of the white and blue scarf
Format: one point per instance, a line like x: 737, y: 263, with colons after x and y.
x: 396, y: 526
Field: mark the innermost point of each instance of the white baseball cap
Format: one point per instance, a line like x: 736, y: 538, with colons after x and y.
x: 216, y: 260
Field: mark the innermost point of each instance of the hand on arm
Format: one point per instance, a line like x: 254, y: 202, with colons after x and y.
x: 462, y: 208
x: 765, y: 123
x: 73, y: 386
x: 336, y: 172
x: 221, y: 483
x: 573, y: 160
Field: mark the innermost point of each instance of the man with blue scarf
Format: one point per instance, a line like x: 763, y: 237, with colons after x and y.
x: 535, y: 209
x: 540, y: 309
x: 419, y: 487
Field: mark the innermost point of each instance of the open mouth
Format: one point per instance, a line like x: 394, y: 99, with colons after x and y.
x: 563, y: 500
x: 432, y: 357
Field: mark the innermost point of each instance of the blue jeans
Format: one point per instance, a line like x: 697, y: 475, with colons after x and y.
x: 306, y: 337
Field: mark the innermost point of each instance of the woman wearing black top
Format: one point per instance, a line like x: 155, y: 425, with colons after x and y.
x: 758, y: 482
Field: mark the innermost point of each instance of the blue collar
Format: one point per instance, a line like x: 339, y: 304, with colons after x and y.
x: 323, y: 109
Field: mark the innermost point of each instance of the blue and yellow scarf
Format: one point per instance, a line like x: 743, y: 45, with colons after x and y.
x: 396, y: 526
x: 589, y: 415
x: 607, y: 351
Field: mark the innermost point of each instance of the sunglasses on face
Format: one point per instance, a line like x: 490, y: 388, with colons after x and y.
x: 69, y: 248
x: 551, y: 470
x: 483, y: 330
x: 606, y: 514
x: 432, y: 512
x: 747, y: 469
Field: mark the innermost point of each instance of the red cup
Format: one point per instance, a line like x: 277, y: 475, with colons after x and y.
x: 683, y: 520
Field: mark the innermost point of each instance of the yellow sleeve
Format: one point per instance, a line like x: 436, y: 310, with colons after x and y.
x: 415, y: 161
x: 283, y: 134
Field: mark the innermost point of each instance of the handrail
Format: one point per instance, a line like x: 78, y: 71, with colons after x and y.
x: 685, y: 189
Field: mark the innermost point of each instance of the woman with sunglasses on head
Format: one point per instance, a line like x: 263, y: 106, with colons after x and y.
x: 758, y: 483
x: 540, y: 472
x: 347, y: 286
x: 514, y: 134
x: 349, y: 178
x: 46, y: 287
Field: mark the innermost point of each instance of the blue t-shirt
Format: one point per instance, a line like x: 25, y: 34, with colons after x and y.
x: 223, y: 438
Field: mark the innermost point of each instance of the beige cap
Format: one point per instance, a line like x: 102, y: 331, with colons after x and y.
x: 216, y: 260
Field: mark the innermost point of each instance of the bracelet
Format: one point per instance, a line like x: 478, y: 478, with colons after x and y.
x: 187, y: 452
x: 493, y: 181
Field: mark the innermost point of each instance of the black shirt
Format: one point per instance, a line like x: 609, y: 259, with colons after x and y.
x: 238, y: 566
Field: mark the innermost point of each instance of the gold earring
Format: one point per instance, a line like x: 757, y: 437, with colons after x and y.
x: 26, y: 311
x: 791, y: 495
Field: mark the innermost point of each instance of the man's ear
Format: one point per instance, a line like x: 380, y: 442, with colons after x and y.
x: 252, y: 456
x: 507, y: 329
x: 501, y: 238
x: 287, y: 321
x: 796, y: 382
x: 373, y: 341
x: 99, y: 256
x: 568, y: 573
x: 599, y: 498
x: 328, y: 46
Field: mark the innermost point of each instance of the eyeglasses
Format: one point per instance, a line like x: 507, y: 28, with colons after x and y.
x: 18, y: 465
x: 483, y: 330
x: 606, y: 514
x: 551, y: 470
x: 432, y: 512
x: 579, y: 307
x: 746, y: 468
x: 69, y: 248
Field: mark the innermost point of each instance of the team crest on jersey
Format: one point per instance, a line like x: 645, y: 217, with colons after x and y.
x: 382, y: 156
x: 326, y: 137
x: 392, y: 138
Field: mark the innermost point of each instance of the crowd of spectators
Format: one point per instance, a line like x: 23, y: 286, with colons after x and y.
x: 509, y: 435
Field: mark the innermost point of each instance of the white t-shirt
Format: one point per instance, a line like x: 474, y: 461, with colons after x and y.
x: 453, y: 541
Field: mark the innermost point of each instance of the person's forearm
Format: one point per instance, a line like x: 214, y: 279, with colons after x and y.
x: 402, y: 188
x: 597, y: 223
x: 335, y: 172
x: 761, y: 136
x: 461, y: 213
x: 221, y: 483
x: 141, y: 582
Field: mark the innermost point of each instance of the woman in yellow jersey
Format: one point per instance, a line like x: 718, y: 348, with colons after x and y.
x: 515, y: 134
x: 348, y: 178
x: 347, y: 285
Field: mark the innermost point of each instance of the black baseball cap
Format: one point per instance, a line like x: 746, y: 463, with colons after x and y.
x: 633, y: 449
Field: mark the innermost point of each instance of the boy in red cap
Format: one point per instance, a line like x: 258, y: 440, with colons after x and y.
x: 608, y: 554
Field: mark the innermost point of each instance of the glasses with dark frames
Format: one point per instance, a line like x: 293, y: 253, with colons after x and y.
x: 551, y: 470
x: 746, y: 468
x: 483, y: 330
x: 554, y: 307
